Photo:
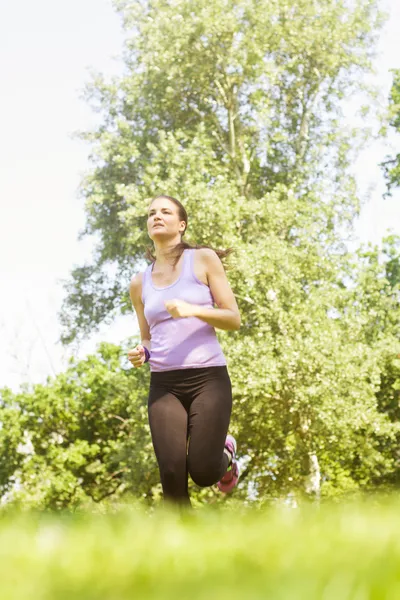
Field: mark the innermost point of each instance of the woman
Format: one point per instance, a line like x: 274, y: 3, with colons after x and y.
x: 190, y: 397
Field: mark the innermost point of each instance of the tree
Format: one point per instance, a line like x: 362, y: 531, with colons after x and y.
x: 377, y: 300
x: 80, y: 439
x: 256, y: 88
x: 236, y: 108
x: 391, y: 166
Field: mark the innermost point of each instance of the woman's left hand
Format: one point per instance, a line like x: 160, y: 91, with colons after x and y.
x: 179, y: 308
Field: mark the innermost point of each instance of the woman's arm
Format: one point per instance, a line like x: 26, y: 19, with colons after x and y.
x: 226, y: 316
x: 135, y: 292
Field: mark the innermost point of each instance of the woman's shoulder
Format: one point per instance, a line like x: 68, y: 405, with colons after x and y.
x: 138, y: 278
x: 206, y: 262
x: 207, y: 257
x: 136, y: 284
x: 206, y: 254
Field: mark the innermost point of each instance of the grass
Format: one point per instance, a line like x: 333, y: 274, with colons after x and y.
x: 332, y: 553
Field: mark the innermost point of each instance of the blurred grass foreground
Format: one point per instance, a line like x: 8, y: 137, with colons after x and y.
x: 328, y: 553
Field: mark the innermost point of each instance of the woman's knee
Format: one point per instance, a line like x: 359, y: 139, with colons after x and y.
x: 205, y: 475
x: 173, y: 478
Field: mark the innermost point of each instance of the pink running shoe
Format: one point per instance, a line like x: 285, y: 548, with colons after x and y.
x: 230, y: 479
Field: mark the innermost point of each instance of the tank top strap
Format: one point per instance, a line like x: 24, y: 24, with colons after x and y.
x: 188, y: 262
x: 145, y: 280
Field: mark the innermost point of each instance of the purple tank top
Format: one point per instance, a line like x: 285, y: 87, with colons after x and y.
x: 185, y: 343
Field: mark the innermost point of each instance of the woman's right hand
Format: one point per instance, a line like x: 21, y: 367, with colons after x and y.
x: 137, y: 356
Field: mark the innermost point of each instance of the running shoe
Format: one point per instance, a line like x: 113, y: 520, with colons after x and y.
x: 231, y: 477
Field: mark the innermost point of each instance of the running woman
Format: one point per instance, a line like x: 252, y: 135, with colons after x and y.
x: 190, y: 397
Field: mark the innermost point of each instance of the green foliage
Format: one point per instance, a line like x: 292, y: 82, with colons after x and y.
x: 86, y: 436
x: 307, y: 373
x: 377, y: 301
x: 220, y: 103
x: 235, y: 107
x: 391, y: 166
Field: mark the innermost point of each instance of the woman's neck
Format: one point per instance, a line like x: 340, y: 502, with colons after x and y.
x: 163, y: 252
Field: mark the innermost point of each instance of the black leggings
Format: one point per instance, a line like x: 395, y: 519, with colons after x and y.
x: 189, y: 405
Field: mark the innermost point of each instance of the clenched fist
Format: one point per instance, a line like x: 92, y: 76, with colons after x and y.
x: 179, y: 308
x: 137, y: 356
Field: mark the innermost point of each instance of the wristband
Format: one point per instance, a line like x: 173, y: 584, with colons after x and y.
x: 147, y: 354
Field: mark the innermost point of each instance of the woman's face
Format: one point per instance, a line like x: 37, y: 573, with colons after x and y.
x: 163, y: 220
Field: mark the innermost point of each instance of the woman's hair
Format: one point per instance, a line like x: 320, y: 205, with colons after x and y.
x: 177, y: 251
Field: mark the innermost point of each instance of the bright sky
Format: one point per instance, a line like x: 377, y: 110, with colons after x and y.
x: 46, y: 48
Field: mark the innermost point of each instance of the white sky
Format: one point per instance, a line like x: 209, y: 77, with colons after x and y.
x: 46, y: 48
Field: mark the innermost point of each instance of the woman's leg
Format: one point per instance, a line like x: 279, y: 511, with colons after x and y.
x: 169, y: 429
x: 209, y: 416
